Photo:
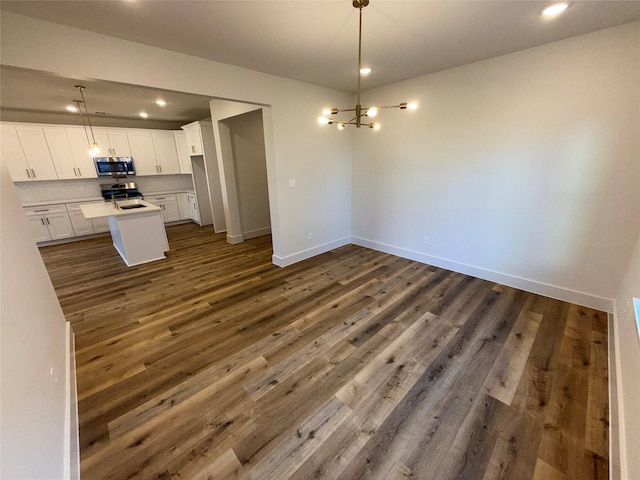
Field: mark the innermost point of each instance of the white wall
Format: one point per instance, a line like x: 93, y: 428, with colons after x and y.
x: 318, y: 160
x: 32, y: 342
x: 248, y: 150
x: 522, y: 169
x: 627, y: 346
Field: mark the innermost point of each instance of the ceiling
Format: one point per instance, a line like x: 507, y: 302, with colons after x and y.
x: 307, y: 40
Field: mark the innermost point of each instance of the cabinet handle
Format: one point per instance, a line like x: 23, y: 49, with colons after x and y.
x: 79, y: 172
x: 193, y: 149
x: 47, y: 219
x: 33, y: 173
x: 42, y: 220
x: 75, y: 174
x: 160, y: 167
x: 160, y: 198
x: 28, y: 174
x: 41, y: 210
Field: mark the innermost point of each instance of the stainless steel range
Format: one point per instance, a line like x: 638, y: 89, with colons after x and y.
x: 120, y: 191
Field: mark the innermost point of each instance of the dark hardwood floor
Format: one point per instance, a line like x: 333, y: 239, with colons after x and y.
x: 354, y: 364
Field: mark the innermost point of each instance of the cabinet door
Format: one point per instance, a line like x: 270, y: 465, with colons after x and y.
x: 183, y: 155
x: 39, y: 228
x: 35, y: 148
x: 143, y: 153
x: 119, y: 143
x: 166, y: 153
x: 193, y: 207
x: 102, y: 139
x: 80, y: 151
x: 12, y: 154
x: 194, y: 139
x: 61, y: 152
x: 183, y: 206
x: 81, y: 226
x: 100, y: 225
x: 170, y: 210
x: 59, y: 225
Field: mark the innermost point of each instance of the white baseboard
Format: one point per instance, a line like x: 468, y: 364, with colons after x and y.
x: 552, y: 291
x: 234, y: 239
x: 72, y: 431
x: 258, y: 232
x: 312, y: 252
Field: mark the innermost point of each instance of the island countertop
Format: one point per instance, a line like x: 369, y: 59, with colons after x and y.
x: 107, y: 209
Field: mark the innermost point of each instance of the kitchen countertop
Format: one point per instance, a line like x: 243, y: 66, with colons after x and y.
x: 106, y: 209
x: 94, y: 199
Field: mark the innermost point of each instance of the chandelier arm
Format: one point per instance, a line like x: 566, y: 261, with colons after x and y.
x: 80, y: 87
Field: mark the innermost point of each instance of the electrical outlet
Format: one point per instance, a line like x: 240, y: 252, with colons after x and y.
x: 292, y: 183
x: 426, y: 240
x: 310, y: 236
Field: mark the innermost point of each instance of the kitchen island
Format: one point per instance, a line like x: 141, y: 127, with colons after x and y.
x: 136, y: 228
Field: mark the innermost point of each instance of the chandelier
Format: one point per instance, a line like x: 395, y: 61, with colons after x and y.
x: 362, y: 114
x: 93, y: 145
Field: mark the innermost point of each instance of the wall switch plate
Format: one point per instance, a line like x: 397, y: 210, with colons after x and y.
x: 292, y: 183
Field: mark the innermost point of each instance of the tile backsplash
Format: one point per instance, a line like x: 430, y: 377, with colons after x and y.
x: 53, y: 190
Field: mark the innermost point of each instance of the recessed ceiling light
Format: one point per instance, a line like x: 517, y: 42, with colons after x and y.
x: 161, y: 102
x: 144, y: 114
x: 71, y: 108
x: 554, y: 10
x: 365, y: 71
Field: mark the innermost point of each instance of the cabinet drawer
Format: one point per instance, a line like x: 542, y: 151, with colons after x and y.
x: 45, y: 210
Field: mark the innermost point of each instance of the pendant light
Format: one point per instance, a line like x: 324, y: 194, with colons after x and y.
x: 360, y: 111
x: 94, y: 150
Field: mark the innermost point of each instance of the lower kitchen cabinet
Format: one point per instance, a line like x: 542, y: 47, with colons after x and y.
x: 49, y: 222
x: 183, y: 206
x: 193, y: 207
x: 169, y: 205
x: 83, y: 226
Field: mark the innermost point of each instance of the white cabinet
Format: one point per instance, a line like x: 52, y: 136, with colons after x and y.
x: 143, y: 152
x: 194, y: 138
x: 26, y: 152
x: 166, y: 153
x: 193, y: 207
x: 80, y: 151
x: 183, y: 154
x: 154, y: 153
x: 112, y: 143
x: 169, y: 205
x: 69, y: 162
x: 83, y: 226
x: 12, y: 154
x: 183, y: 206
x: 49, y: 222
x: 36, y: 150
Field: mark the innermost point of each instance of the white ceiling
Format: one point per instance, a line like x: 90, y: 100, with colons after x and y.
x: 316, y: 41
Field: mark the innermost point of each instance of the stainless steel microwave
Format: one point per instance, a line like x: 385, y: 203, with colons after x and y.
x: 114, y: 166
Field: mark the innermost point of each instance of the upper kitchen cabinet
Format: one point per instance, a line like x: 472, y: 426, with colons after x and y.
x: 70, y: 152
x: 183, y: 155
x: 154, y: 153
x: 27, y: 153
x: 12, y: 154
x: 112, y: 143
x: 194, y: 138
x: 166, y: 154
x: 143, y: 152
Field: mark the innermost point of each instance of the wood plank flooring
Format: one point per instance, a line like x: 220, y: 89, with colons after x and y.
x: 352, y: 365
